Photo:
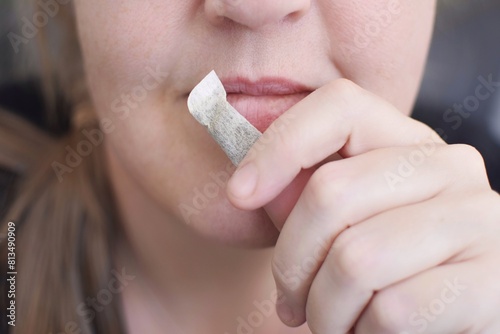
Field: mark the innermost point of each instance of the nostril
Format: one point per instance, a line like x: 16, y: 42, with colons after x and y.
x: 301, y: 10
x: 295, y: 16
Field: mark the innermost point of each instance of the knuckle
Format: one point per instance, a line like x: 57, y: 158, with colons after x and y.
x: 470, y: 161
x: 327, y: 188
x: 389, y: 311
x: 350, y: 98
x: 349, y: 258
x: 345, y: 88
x: 468, y: 155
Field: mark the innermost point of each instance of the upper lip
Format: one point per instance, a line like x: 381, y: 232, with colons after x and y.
x: 269, y: 86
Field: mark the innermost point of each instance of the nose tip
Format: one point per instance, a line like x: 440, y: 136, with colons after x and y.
x: 255, y: 13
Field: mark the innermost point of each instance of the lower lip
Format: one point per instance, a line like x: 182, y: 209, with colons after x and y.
x: 262, y: 110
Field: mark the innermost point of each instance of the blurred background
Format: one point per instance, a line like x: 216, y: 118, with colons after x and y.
x: 465, y: 53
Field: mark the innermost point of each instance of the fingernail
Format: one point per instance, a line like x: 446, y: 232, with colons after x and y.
x: 244, y: 181
x: 286, y: 314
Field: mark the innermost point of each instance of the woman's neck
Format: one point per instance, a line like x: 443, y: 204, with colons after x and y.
x: 182, y: 272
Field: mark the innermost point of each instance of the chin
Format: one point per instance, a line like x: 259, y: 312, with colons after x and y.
x: 227, y: 225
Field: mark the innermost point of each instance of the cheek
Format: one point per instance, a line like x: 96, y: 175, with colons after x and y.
x: 382, y: 45
x: 128, y: 60
x: 120, y: 44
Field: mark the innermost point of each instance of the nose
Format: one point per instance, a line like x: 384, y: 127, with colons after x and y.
x: 256, y: 13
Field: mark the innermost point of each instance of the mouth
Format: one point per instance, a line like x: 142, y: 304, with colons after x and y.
x: 262, y: 102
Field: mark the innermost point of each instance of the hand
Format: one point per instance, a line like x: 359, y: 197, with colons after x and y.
x: 402, y: 235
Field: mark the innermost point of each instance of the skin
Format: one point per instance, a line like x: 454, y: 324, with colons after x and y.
x: 365, y: 253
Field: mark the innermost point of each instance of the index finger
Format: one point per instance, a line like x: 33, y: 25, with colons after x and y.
x: 339, y: 117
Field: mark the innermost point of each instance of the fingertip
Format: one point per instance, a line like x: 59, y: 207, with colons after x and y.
x: 289, y: 317
x: 285, y: 313
x: 243, y: 183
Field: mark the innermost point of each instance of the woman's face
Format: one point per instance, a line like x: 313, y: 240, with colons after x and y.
x: 143, y: 58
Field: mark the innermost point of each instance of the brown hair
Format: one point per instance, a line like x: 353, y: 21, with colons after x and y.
x: 65, y: 230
